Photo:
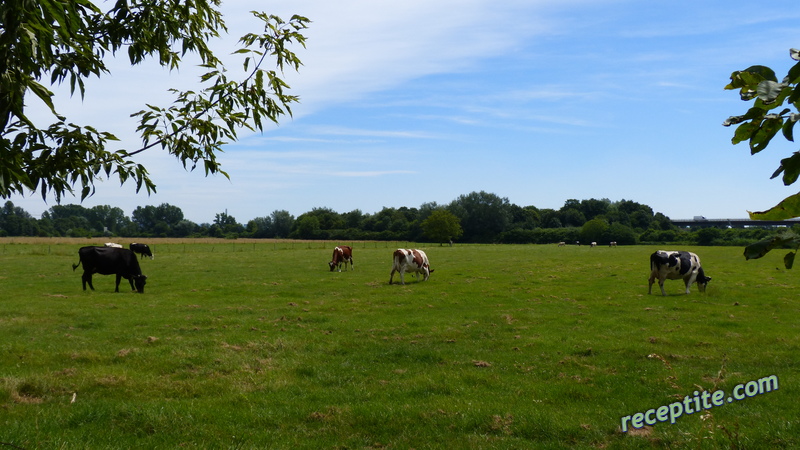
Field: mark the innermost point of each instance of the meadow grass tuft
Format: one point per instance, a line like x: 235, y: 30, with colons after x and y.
x: 254, y: 345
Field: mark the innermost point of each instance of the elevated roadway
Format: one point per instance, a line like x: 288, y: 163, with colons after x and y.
x: 733, y: 223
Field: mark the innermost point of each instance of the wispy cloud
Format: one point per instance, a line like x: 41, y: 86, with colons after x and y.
x: 344, y: 131
x: 356, y: 47
x: 372, y: 173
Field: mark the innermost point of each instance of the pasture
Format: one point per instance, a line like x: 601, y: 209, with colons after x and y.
x: 258, y: 345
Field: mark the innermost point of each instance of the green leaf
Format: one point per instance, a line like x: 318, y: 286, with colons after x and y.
x: 746, y: 81
x: 795, y: 95
x: 733, y: 120
x: 768, y: 91
x: 761, y: 138
x: 788, y: 208
x: 44, y: 94
x: 794, y: 74
x: 790, y: 167
x: 783, y: 240
x: 788, y: 127
x: 764, y: 72
x: 744, y: 132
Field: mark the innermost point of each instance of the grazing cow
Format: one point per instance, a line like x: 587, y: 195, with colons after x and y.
x: 113, y: 245
x: 671, y: 265
x: 593, y: 244
x: 342, y: 254
x: 612, y: 244
x: 561, y: 244
x: 410, y: 260
x: 141, y: 249
x: 109, y: 260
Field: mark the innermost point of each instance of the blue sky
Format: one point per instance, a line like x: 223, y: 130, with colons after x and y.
x: 539, y: 101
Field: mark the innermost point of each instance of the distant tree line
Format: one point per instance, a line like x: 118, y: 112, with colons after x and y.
x: 477, y: 217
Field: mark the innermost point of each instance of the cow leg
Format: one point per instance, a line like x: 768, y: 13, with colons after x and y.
x: 119, y: 278
x: 661, y: 285
x: 650, y: 283
x: 87, y: 278
x: 691, y: 279
x: 402, y: 275
x: 352, y: 266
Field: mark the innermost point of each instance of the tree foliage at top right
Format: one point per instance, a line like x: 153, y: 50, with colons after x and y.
x: 775, y: 109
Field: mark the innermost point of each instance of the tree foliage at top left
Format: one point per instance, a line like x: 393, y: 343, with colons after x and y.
x: 49, y: 42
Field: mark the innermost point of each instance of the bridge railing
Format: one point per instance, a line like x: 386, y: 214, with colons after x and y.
x: 734, y: 223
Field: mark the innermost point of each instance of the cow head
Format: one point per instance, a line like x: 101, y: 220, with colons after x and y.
x: 702, y: 282
x: 139, y: 282
x: 333, y: 265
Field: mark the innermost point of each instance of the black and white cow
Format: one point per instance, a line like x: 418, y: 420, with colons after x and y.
x: 672, y: 265
x: 110, y: 260
x: 141, y: 249
x: 342, y: 254
x: 112, y: 244
x: 410, y: 260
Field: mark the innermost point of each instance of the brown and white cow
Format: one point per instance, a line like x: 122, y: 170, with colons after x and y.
x: 342, y: 254
x: 412, y: 261
x: 674, y: 265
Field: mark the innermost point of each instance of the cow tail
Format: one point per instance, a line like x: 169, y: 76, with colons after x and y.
x: 75, y: 266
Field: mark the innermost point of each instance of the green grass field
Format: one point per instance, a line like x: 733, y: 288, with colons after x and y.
x: 258, y: 345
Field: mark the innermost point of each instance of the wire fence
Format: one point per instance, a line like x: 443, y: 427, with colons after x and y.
x: 201, y: 246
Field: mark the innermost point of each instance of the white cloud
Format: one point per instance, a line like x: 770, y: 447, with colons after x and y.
x: 372, y: 173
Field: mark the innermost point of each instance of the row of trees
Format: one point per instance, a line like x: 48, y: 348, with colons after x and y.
x: 59, y: 40
x: 479, y: 217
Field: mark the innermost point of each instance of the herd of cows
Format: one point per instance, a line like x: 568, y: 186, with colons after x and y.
x: 113, y: 259
x: 403, y: 260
